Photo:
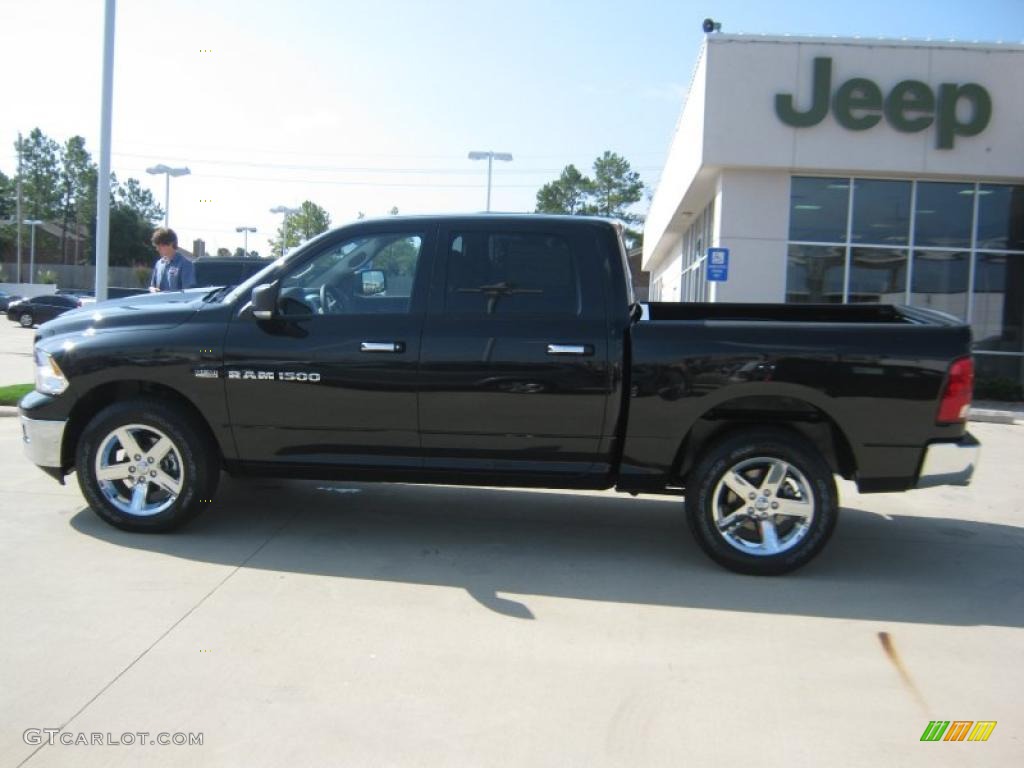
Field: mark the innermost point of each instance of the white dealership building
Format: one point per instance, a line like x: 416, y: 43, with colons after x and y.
x: 852, y: 170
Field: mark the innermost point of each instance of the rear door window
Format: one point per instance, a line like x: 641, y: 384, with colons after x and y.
x: 514, y: 273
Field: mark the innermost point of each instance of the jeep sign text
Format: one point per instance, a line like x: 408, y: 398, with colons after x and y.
x: 911, y: 106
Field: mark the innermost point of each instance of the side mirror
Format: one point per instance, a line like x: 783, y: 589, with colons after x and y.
x: 264, y: 301
x: 373, y: 282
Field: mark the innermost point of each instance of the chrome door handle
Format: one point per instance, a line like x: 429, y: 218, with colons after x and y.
x: 567, y: 349
x: 382, y: 346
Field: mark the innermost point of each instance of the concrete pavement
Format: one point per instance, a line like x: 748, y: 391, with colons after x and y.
x: 16, y: 365
x: 349, y: 624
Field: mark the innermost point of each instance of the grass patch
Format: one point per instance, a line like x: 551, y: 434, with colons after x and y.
x: 12, y: 394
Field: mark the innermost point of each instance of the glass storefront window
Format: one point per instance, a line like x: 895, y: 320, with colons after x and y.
x: 965, y: 239
x: 881, y: 212
x: 940, y: 281
x: 1001, y: 217
x: 943, y: 214
x: 818, y: 208
x: 878, y: 275
x: 814, y: 274
x: 998, y: 316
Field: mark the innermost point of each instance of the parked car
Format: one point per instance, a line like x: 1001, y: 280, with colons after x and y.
x: 502, y: 351
x: 84, y: 297
x: 6, y: 299
x: 39, y: 309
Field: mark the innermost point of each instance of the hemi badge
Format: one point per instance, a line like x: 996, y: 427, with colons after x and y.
x: 206, y: 373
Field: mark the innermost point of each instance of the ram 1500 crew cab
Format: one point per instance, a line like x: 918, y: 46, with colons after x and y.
x: 501, y: 350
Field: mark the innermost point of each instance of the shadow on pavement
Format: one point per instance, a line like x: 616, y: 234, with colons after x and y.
x: 605, y: 548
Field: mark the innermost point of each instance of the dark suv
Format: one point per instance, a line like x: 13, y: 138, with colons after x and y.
x: 219, y: 271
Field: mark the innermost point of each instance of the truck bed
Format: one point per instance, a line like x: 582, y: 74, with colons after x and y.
x: 866, y: 381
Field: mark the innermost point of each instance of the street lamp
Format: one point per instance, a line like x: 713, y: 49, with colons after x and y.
x: 246, y: 230
x: 284, y: 222
x: 490, y: 157
x: 32, y: 249
x: 156, y: 170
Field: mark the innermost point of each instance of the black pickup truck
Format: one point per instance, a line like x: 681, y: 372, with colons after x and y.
x: 508, y: 351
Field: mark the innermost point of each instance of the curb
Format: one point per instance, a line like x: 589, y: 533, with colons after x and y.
x: 994, y: 417
x: 8, y: 410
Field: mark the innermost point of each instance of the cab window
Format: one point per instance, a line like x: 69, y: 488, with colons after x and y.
x: 495, y: 273
x: 366, y: 275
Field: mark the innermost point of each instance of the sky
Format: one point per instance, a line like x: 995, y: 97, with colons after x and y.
x: 363, y: 106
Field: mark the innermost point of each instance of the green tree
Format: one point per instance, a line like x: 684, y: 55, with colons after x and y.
x: 132, y: 195
x: 133, y: 214
x: 567, y: 194
x: 40, y: 175
x: 130, y: 235
x: 614, y: 189
x: 7, y: 212
x: 78, y: 189
x: 309, y: 221
x: 8, y: 191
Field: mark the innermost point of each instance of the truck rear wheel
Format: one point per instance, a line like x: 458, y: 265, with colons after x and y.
x: 146, y: 465
x: 762, y: 502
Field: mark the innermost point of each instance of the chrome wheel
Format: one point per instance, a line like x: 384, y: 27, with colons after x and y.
x: 763, y: 506
x: 25, y: 320
x: 139, y: 470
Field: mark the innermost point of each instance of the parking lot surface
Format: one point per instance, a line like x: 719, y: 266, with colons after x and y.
x: 15, y: 353
x: 305, y: 623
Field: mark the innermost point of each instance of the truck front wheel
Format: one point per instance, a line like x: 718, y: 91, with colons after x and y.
x: 762, y: 502
x: 146, y: 465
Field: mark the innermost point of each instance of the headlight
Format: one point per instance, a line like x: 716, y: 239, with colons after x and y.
x: 50, y: 379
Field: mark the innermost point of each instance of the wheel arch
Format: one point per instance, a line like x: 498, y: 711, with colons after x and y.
x: 103, y: 395
x: 792, y: 413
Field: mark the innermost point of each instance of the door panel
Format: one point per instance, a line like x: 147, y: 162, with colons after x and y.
x: 514, y: 368
x: 333, y: 379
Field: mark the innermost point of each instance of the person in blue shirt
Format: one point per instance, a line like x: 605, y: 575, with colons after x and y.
x: 173, y: 271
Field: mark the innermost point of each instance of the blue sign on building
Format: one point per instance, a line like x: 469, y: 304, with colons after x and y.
x: 718, y: 265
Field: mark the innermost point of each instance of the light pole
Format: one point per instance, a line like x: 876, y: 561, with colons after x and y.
x: 246, y: 230
x: 156, y: 170
x: 490, y: 156
x: 284, y: 222
x: 32, y: 249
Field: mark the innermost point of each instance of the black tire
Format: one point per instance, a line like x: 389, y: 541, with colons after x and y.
x: 736, y: 535
x: 25, y: 320
x: 192, y: 463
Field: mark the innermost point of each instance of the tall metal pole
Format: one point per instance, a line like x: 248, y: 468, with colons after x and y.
x: 18, y: 205
x: 491, y: 156
x: 156, y: 170
x: 490, y: 162
x: 103, y: 183
x: 284, y: 223
x: 32, y: 257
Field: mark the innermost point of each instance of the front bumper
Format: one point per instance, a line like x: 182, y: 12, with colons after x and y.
x: 42, y: 441
x: 949, y: 463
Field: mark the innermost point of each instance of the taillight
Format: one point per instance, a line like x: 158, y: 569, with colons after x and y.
x: 956, y: 398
